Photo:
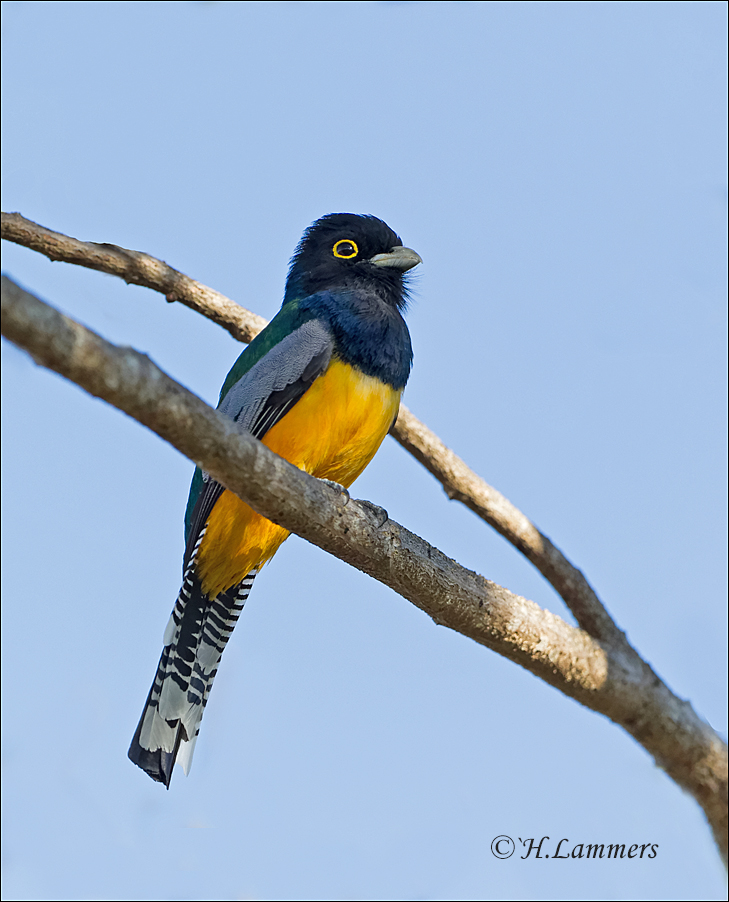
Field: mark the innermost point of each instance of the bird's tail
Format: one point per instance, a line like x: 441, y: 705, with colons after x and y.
x: 196, y: 635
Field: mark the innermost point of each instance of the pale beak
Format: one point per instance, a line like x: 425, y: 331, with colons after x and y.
x: 401, y: 258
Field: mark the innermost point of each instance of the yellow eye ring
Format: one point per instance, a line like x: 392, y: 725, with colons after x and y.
x: 345, y: 249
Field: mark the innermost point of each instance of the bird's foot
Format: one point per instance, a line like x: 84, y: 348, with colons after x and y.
x: 380, y: 514
x: 339, y: 489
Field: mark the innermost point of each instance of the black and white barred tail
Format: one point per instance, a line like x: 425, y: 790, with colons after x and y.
x: 194, y: 640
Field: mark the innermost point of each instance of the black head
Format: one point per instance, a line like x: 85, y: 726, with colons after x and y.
x: 345, y: 250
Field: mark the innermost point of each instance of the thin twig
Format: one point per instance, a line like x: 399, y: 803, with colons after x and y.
x: 136, y: 268
x: 462, y: 484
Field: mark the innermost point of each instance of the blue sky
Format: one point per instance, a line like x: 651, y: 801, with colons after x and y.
x: 560, y: 167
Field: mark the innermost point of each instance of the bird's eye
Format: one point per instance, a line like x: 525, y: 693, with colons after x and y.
x: 345, y: 249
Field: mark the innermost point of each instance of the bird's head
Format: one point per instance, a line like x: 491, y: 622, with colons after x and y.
x: 351, y: 252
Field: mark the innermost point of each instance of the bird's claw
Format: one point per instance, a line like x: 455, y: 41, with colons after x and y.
x: 380, y: 514
x: 339, y: 489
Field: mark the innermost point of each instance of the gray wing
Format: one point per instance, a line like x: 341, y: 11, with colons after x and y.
x: 263, y: 395
x: 272, y: 386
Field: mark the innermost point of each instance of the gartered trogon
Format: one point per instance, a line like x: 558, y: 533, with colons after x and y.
x: 320, y: 386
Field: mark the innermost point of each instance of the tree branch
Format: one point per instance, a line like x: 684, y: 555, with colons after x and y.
x: 136, y: 268
x: 607, y: 676
x: 458, y: 480
x: 462, y: 484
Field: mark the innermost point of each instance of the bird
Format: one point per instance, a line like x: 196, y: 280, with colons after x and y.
x: 320, y: 385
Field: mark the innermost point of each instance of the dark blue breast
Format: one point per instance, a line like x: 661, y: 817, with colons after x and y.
x: 370, y: 334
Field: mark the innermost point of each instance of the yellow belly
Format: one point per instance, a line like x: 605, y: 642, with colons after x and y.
x: 332, y: 432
